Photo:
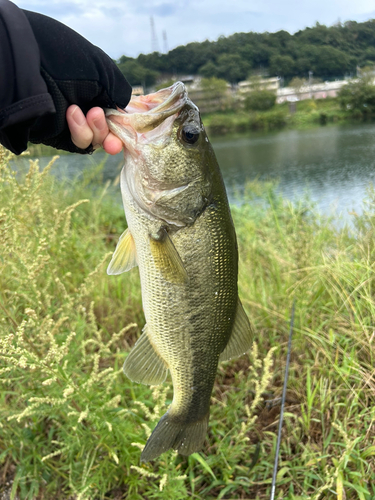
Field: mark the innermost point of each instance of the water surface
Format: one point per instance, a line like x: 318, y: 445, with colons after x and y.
x: 335, y: 164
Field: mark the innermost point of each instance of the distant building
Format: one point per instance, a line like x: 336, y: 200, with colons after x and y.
x: 315, y: 91
x: 259, y: 83
x: 138, y: 90
x: 189, y: 80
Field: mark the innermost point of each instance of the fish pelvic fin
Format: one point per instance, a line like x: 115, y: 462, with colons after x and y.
x: 186, y: 438
x: 124, y: 257
x: 144, y: 365
x: 241, y: 337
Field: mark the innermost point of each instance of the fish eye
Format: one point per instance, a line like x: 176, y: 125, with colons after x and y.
x: 190, y: 135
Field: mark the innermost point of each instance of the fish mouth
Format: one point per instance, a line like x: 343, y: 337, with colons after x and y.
x: 148, y: 118
x: 167, y: 100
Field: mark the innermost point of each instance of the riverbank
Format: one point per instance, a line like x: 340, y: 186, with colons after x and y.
x: 72, y: 425
x: 308, y: 114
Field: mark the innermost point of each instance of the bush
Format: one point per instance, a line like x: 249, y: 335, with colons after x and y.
x: 215, y: 87
x: 242, y: 125
x: 271, y: 120
x: 276, y: 119
x: 260, y: 100
x: 358, y: 97
x: 220, y: 125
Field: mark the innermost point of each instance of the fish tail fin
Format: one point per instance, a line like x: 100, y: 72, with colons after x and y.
x: 186, y: 438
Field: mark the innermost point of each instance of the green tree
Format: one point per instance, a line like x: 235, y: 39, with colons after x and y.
x: 280, y: 39
x: 297, y: 83
x: 263, y: 52
x: 232, y: 68
x: 282, y: 66
x: 358, y: 96
x: 154, y: 61
x: 215, y: 86
x: 137, y: 74
x: 260, y: 100
x: 329, y: 52
x: 323, y: 60
x: 164, y: 84
x: 208, y: 70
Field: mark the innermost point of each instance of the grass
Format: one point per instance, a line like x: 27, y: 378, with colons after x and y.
x: 309, y: 113
x: 39, y: 150
x: 72, y: 425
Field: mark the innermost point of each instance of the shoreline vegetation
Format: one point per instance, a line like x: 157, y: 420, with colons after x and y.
x: 72, y: 425
x: 309, y: 113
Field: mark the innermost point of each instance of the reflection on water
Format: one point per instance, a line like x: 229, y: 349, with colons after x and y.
x: 334, y: 165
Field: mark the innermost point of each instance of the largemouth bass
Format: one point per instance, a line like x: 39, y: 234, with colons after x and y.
x: 181, y: 235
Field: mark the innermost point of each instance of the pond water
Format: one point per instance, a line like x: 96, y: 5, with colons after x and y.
x: 334, y: 165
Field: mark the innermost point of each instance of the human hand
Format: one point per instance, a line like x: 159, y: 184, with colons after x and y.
x: 91, y: 129
x: 82, y: 80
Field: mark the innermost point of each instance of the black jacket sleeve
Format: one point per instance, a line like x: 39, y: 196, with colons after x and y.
x: 44, y: 68
x: 24, y: 95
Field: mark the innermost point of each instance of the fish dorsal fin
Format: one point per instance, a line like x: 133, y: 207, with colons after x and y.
x: 144, y: 364
x: 166, y: 258
x: 124, y: 257
x: 241, y: 337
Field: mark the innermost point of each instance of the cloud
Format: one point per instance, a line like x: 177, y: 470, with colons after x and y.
x: 165, y: 9
x: 53, y: 9
x: 123, y: 26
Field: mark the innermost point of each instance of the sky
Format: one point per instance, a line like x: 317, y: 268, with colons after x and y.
x: 124, y: 27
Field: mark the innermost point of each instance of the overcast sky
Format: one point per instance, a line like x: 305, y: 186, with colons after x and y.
x: 123, y: 26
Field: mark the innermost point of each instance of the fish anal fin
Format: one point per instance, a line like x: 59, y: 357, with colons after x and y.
x: 166, y: 258
x: 241, y: 337
x: 124, y: 257
x: 144, y: 364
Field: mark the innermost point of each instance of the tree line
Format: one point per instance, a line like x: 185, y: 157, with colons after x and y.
x: 328, y: 52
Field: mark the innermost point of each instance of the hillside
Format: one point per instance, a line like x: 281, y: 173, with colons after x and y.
x: 329, y: 52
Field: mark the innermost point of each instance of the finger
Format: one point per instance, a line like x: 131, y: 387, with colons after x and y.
x: 80, y: 131
x: 98, y: 124
x: 112, y: 144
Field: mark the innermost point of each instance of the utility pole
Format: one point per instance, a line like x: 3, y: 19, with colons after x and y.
x: 310, y: 81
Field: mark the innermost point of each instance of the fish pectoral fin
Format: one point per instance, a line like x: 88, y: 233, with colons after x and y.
x: 124, y: 257
x: 241, y: 337
x: 144, y: 364
x: 166, y: 258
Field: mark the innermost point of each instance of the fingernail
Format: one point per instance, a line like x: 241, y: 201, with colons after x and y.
x: 78, y: 117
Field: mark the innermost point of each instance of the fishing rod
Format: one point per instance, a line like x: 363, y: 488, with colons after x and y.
x: 273, y: 487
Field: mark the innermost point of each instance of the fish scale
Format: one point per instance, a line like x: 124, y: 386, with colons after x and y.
x: 182, y: 236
